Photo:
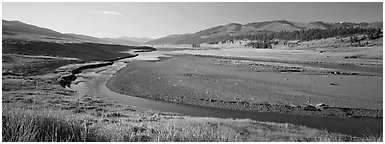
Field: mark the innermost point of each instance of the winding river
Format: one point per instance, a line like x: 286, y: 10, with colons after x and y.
x: 93, y: 82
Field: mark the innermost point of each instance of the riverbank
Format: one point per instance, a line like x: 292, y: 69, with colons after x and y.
x: 67, y: 74
x: 233, y: 84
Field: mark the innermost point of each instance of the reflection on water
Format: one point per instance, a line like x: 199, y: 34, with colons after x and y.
x: 94, y: 83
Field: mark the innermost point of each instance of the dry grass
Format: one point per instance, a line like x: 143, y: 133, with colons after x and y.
x: 21, y: 125
x: 25, y: 125
x: 372, y: 138
x: 196, y: 132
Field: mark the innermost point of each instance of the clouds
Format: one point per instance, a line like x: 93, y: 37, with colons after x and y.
x: 111, y: 13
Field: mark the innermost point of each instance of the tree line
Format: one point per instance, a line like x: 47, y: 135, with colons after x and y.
x: 311, y: 34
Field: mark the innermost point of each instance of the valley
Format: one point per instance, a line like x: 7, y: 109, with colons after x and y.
x: 116, y: 91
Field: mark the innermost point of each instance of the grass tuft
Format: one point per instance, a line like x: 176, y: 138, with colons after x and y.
x: 373, y: 138
x: 199, y: 132
x: 20, y: 125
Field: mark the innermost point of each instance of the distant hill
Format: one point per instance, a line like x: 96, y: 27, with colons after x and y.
x: 120, y: 41
x: 87, y: 38
x: 233, y: 30
x: 20, y: 27
x: 136, y: 39
x: 17, y: 27
x: 171, y: 39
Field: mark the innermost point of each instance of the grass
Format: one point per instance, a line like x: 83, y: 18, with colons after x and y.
x: 26, y: 125
x: 373, y: 139
x: 168, y: 131
x: 19, y: 65
x: 196, y: 132
x: 20, y: 125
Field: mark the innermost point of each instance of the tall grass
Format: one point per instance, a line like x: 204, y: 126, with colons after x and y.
x: 199, y: 132
x: 373, y: 138
x: 20, y: 125
x: 171, y: 131
x: 24, y: 125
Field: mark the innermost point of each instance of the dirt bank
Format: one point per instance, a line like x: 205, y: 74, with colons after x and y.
x: 233, y: 84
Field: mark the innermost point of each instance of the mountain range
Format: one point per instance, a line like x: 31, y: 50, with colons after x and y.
x: 17, y: 27
x: 210, y: 35
x: 222, y: 32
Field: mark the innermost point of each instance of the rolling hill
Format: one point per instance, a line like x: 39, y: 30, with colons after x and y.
x: 87, y: 38
x: 26, y: 39
x: 20, y: 28
x: 228, y: 31
x: 83, y: 51
x: 171, y: 39
x: 139, y: 40
x: 120, y: 41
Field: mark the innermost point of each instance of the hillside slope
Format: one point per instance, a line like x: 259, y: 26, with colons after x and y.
x: 139, y: 40
x: 20, y: 27
x: 82, y: 51
x: 234, y: 30
x: 22, y: 30
x: 171, y: 39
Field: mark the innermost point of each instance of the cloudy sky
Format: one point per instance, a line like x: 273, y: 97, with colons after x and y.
x: 156, y: 20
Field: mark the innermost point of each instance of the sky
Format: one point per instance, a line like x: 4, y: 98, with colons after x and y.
x: 154, y: 20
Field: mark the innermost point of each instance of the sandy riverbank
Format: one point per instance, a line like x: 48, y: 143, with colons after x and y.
x: 92, y: 82
x: 233, y: 84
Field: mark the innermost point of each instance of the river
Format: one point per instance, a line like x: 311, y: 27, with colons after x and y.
x: 93, y: 82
